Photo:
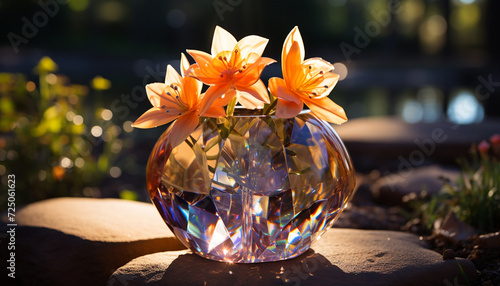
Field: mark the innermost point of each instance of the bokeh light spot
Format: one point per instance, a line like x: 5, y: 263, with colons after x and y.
x: 79, y: 162
x: 42, y: 175
x: 73, y: 98
x: 127, y: 126
x: 176, y: 18
x: 465, y: 17
x: 115, y: 172
x: 96, y: 131
x: 431, y: 100
x: 432, y: 33
x: 78, y: 5
x: 77, y: 119
x: 465, y: 109
x: 51, y: 78
x: 116, y: 147
x: 436, y: 25
x: 30, y: 86
x: 66, y: 162
x: 70, y: 115
x: 467, y: 1
x: 100, y: 83
x: 112, y: 11
x: 412, y: 111
x: 412, y: 11
x: 106, y: 114
x: 11, y: 155
x: 341, y: 70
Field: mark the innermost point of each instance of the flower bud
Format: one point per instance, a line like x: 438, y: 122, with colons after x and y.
x: 495, y: 140
x: 483, y: 147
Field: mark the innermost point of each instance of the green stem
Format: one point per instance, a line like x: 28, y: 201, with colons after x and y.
x: 230, y: 107
x: 271, y: 107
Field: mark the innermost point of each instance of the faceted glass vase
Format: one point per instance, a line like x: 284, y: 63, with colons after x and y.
x: 251, y: 188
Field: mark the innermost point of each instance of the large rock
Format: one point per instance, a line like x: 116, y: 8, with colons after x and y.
x: 82, y: 241
x: 387, y: 143
x: 391, y: 188
x: 340, y: 257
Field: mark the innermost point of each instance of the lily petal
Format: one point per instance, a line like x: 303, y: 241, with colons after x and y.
x: 222, y: 61
x: 248, y: 101
x: 254, y: 44
x: 258, y: 91
x: 158, y: 96
x: 214, y: 92
x: 226, y: 97
x: 203, y: 69
x: 293, y: 37
x: 222, y: 41
x: 155, y: 92
x: 292, y: 71
x: 198, y: 73
x: 191, y: 90
x: 182, y: 127
x: 326, y: 86
x: 278, y: 88
x: 201, y: 58
x: 152, y: 118
x: 214, y: 111
x: 184, y: 64
x: 253, y: 73
x: 327, y: 110
x: 172, y: 77
x: 317, y: 65
x: 285, y: 108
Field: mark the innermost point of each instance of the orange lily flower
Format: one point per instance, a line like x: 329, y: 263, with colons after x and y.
x: 178, y: 98
x: 308, y: 82
x: 233, y: 69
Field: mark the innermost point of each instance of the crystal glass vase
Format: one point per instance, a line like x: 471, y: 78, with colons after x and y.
x: 251, y: 188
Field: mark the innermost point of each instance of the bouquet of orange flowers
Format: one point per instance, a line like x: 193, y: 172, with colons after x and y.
x: 232, y: 71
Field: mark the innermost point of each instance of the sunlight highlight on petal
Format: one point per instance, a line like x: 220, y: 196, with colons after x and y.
x: 258, y: 91
x: 306, y: 81
x: 232, y: 64
x: 222, y: 41
x: 327, y: 110
x: 172, y: 76
x: 182, y: 127
x: 152, y: 118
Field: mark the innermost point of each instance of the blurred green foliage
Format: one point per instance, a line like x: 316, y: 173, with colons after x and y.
x: 475, y: 196
x: 50, y: 141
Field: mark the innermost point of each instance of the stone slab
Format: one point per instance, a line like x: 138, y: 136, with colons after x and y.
x: 340, y: 257
x: 82, y: 241
x: 389, y: 142
x: 391, y: 188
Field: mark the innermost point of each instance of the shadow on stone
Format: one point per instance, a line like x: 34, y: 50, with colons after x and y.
x: 49, y: 257
x: 340, y: 257
x: 311, y: 268
x: 81, y: 241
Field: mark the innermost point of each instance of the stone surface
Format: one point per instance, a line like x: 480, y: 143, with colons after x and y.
x: 81, y: 241
x: 340, y: 257
x: 453, y: 229
x: 490, y: 240
x: 391, y: 188
x: 385, y: 142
